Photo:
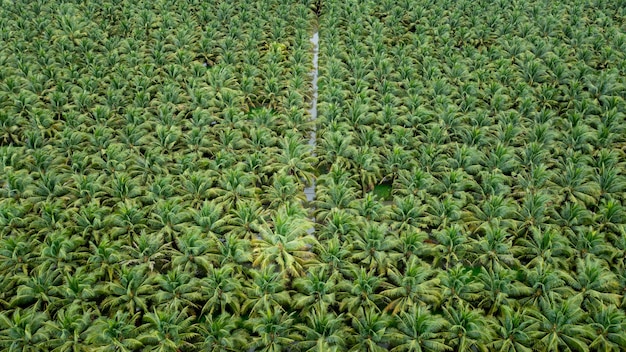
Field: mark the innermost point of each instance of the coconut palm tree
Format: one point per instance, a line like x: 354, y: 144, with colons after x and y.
x: 466, y: 331
x: 608, y: 323
x: 129, y: 294
x: 416, y: 284
x: 69, y: 330
x: 375, y: 248
x: 371, y: 330
x: 117, y: 333
x: 221, y: 334
x: 220, y: 289
x: 23, y: 330
x: 286, y: 243
x: 418, y: 330
x: 266, y: 290
x: 272, y: 330
x: 361, y: 292
x: 515, y: 330
x: 315, y: 290
x: 561, y: 326
x: 167, y: 330
x: 322, y: 331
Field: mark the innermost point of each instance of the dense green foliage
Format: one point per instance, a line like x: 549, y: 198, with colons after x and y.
x: 153, y: 157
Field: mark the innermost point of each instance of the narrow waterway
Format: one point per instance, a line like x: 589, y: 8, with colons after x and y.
x: 310, y: 191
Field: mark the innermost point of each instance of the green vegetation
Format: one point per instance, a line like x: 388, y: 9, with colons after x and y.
x: 383, y: 191
x: 470, y: 172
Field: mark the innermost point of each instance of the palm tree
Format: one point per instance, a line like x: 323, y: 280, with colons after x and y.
x: 593, y: 244
x: 191, y: 253
x: 316, y: 290
x: 367, y: 171
x: 322, y: 331
x: 69, y: 330
x: 515, y: 331
x: 39, y: 290
x: 148, y: 252
x: 221, y: 334
x: 451, y: 246
x: 221, y: 290
x: 371, y: 330
x: 286, y: 244
x: 17, y: 253
x: 467, y: 330
x: 273, y: 329
x: 418, y: 330
x: 339, y: 224
x: 333, y: 255
x: 117, y: 333
x: 234, y: 186
x: 129, y: 294
x: 459, y: 286
x: 415, y: 285
x: 561, y: 327
x: 594, y: 282
x: 78, y: 289
x: 104, y: 258
x: 499, y: 289
x: 23, y: 330
x: 266, y: 290
x: 495, y: 208
x: 246, y: 219
x: 375, y: 247
x: 167, y: 330
x: 362, y: 292
x: 209, y: 218
x: 177, y: 290
x: 609, y: 324
x: 294, y: 160
x: 545, y: 245
x: 546, y: 284
x: 494, y: 249
x: 406, y: 213
x: 576, y: 184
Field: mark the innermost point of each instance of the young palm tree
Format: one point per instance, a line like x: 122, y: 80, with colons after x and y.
x: 594, y: 282
x: 451, y: 246
x: 361, y: 293
x: 266, y: 290
x: 459, y: 286
x: 177, y: 291
x: 493, y: 251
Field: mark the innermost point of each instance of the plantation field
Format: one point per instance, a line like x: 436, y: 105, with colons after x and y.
x: 466, y: 162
